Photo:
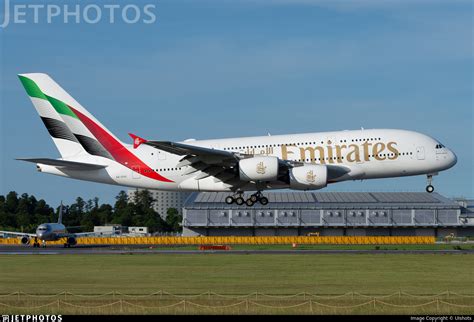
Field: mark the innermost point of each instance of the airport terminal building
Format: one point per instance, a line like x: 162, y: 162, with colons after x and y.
x: 329, y: 214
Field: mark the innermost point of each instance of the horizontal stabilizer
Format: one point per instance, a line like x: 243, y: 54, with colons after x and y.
x: 71, y: 165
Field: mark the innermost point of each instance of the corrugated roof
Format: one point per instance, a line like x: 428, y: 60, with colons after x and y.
x: 327, y: 199
x: 405, y: 197
x: 337, y: 197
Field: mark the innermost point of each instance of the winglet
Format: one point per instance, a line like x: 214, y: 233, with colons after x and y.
x: 137, y: 141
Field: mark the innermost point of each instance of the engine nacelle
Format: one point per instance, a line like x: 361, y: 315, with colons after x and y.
x: 25, y: 240
x: 71, y: 241
x: 309, y: 177
x: 259, y: 169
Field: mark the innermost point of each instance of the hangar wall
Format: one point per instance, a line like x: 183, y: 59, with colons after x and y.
x: 329, y: 214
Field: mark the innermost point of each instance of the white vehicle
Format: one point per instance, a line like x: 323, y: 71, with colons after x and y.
x: 48, y: 232
x: 307, y: 161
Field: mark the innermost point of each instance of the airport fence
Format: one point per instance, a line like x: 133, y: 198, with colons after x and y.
x: 244, y: 240
x: 162, y: 302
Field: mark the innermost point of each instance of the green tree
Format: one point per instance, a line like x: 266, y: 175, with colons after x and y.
x: 105, y: 214
x: 122, y: 212
x: 143, y: 213
x: 173, y: 220
x: 23, y: 213
x: 142, y: 208
x: 11, y: 202
x: 43, y: 212
x: 6, y: 221
x: 75, y: 213
x: 121, y: 200
x: 90, y: 217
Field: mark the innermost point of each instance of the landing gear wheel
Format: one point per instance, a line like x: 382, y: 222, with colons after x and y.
x: 263, y: 200
x: 229, y: 200
x: 249, y: 202
x: 429, y: 187
x: 254, y: 198
x: 239, y: 201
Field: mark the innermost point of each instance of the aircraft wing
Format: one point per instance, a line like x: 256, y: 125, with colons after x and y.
x: 66, y: 235
x: 207, y: 155
x: 211, y: 162
x: 68, y: 165
x: 84, y: 234
x: 16, y: 233
x: 184, y: 149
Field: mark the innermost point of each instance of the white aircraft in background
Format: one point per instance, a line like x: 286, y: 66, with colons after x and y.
x: 48, y: 232
x: 297, y: 161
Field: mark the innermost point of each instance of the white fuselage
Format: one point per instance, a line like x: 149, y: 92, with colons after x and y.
x: 369, y: 154
x: 50, y: 231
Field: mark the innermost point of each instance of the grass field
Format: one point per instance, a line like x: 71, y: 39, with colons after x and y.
x: 358, y: 278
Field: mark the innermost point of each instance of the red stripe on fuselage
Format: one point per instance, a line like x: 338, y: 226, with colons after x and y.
x: 120, y: 153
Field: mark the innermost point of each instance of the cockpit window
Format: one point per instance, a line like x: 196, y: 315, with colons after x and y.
x: 439, y: 146
x: 42, y: 228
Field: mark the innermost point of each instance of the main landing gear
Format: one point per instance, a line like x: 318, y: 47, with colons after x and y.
x: 66, y: 244
x: 36, y: 243
x: 239, y: 200
x: 429, y: 187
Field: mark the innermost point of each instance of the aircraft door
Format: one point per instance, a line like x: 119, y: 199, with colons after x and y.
x: 136, y: 172
x: 420, y: 153
x: 161, y: 155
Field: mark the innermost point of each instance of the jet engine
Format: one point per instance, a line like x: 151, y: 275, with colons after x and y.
x: 25, y: 240
x: 258, y: 169
x: 71, y: 241
x: 308, y: 177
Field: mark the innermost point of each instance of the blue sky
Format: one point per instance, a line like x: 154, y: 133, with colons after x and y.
x: 222, y: 68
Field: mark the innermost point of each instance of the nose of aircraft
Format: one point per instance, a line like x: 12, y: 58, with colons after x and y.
x: 453, y: 159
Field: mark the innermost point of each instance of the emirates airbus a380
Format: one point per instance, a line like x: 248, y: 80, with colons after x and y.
x: 307, y: 161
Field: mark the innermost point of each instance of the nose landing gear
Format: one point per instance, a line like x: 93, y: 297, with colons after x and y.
x: 429, y: 187
x: 254, y: 198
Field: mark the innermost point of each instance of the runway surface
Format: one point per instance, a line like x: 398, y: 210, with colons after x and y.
x: 142, y: 249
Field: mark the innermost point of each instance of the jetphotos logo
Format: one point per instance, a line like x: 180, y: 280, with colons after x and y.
x: 31, y: 318
x: 15, y: 12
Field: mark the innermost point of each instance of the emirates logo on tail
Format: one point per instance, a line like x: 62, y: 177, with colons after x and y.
x: 137, y: 141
